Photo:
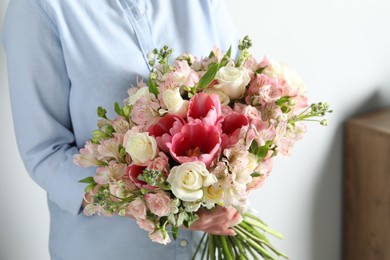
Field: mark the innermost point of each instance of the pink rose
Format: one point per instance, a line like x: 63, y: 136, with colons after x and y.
x: 146, y: 224
x: 196, y: 142
x: 158, y: 203
x: 204, y: 107
x: 160, y: 236
x: 164, y: 128
x: 160, y: 163
x: 137, y: 209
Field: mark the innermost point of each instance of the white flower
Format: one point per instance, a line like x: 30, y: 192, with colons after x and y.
x: 222, y: 96
x: 143, y: 91
x: 212, y: 194
x: 140, y: 146
x: 192, y: 206
x: 174, y: 102
x: 188, y: 179
x: 232, y: 81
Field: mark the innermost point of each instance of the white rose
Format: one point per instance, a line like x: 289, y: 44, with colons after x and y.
x: 188, y: 179
x: 174, y: 102
x: 140, y: 93
x: 222, y: 96
x: 232, y: 81
x: 212, y: 194
x: 140, y: 146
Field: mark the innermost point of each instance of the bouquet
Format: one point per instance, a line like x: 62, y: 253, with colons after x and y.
x: 201, y: 133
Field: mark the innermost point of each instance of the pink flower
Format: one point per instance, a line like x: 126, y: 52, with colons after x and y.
x: 158, y: 203
x: 160, y: 163
x: 164, y: 128
x: 204, y: 107
x: 146, y: 224
x: 120, y: 125
x: 196, y: 142
x: 110, y: 148
x: 263, y: 90
x: 137, y: 209
x: 231, y: 127
x: 133, y: 171
x: 88, y: 156
x: 160, y: 236
x: 264, y: 168
x: 184, y: 75
x: 145, y: 111
x: 102, y: 175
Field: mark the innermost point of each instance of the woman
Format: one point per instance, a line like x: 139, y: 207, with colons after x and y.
x: 66, y: 58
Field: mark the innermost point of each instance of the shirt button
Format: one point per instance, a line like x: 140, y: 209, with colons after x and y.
x: 183, y: 243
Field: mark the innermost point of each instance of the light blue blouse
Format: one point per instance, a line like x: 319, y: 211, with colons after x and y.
x: 66, y: 58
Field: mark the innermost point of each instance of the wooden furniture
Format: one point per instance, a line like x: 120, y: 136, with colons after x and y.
x: 366, y: 209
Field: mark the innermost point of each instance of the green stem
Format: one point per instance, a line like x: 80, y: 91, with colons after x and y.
x: 264, y: 227
x: 254, y: 245
x: 211, y: 250
x: 205, y: 247
x: 226, y: 249
x: 199, y: 244
x: 263, y: 241
x: 241, y: 252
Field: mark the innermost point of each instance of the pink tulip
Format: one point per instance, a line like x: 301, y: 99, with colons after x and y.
x: 133, y: 171
x: 196, y: 142
x: 204, y: 107
x: 231, y: 128
x: 164, y: 128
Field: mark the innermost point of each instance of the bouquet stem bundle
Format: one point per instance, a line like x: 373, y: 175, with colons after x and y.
x: 249, y: 243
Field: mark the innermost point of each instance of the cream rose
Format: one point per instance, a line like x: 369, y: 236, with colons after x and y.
x: 140, y: 146
x: 222, y: 96
x: 212, y: 194
x: 174, y: 102
x: 143, y: 91
x: 188, y: 179
x: 232, y: 81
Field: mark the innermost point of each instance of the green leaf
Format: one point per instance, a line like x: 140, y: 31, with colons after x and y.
x: 263, y: 150
x: 89, y: 188
x: 182, y: 217
x: 256, y: 174
x: 282, y: 100
x: 175, y: 232
x: 226, y: 58
x: 260, y: 151
x: 209, y: 76
x: 88, y: 180
x: 153, y: 86
x: 126, y: 111
x: 101, y: 112
x: 260, y: 70
x: 172, y: 219
x: 118, y: 109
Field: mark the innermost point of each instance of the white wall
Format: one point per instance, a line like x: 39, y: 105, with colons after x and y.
x: 342, y: 50
x: 24, y: 225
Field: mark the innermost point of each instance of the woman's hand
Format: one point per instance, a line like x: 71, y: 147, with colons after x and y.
x: 217, y: 221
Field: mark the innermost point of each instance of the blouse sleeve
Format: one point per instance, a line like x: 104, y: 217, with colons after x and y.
x: 39, y: 89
